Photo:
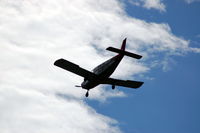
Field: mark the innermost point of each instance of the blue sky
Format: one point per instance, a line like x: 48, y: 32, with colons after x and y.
x: 170, y: 102
x: 36, y: 96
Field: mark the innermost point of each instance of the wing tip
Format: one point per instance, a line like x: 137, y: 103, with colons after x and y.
x: 137, y: 84
x: 57, y: 62
x: 60, y: 62
x: 140, y: 84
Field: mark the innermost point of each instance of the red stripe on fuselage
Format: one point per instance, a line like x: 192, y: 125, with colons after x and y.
x: 103, y: 71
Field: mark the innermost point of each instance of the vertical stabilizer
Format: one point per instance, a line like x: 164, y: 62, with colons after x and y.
x: 123, y: 45
x: 123, y: 52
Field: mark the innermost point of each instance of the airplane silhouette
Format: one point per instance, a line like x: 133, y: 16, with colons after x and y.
x: 101, y: 73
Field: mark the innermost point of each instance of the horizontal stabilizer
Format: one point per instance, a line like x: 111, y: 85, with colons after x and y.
x: 124, y: 52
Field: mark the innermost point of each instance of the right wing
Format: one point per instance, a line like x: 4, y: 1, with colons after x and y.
x: 124, y: 83
x: 69, y: 66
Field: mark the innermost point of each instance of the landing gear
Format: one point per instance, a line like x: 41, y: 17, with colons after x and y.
x: 113, y: 87
x: 87, y: 93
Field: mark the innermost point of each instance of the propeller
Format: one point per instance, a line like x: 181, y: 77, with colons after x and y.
x: 78, y: 86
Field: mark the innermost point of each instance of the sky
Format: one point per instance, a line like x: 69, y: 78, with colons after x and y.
x: 37, y: 97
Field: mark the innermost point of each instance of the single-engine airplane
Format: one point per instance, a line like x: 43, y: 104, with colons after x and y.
x: 101, y: 73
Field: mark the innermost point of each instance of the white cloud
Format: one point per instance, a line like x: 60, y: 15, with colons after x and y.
x: 33, y: 112
x: 34, y: 33
x: 191, y: 1
x: 135, y: 2
x: 150, y: 4
x: 154, y: 4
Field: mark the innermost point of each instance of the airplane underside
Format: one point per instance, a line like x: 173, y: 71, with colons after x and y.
x: 102, y: 72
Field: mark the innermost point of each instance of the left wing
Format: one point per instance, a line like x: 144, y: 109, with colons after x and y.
x: 124, y: 83
x: 69, y: 66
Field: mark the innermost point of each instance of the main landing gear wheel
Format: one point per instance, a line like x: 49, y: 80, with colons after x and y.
x: 113, y: 87
x: 87, y: 94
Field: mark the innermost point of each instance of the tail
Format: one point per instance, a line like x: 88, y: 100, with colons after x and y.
x: 123, y: 45
x: 122, y: 51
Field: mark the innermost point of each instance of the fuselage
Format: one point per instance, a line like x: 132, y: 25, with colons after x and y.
x: 103, y: 71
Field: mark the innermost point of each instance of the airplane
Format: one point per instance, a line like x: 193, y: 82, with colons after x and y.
x: 101, y: 73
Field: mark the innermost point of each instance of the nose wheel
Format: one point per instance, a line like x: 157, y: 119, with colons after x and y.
x: 87, y: 93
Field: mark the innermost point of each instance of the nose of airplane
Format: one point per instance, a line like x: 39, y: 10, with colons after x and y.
x: 83, y: 85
